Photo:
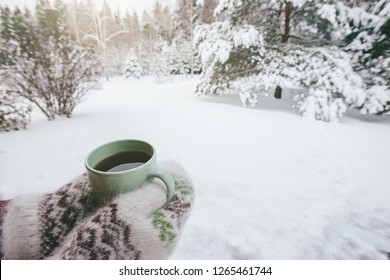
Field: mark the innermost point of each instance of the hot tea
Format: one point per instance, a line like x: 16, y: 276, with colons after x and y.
x: 122, y: 161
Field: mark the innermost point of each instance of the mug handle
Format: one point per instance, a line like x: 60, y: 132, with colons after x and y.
x: 168, y: 181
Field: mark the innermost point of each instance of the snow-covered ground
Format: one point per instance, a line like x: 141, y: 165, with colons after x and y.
x: 269, y: 184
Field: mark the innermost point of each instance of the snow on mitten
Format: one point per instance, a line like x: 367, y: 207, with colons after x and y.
x: 35, y: 224
x: 136, y: 225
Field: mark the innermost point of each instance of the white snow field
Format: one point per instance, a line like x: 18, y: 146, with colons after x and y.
x: 269, y: 184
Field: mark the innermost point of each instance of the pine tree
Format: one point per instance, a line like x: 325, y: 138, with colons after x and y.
x: 132, y: 68
x: 149, y: 33
x: 186, y: 19
x: 147, y: 52
x: 5, y: 33
x: 44, y: 23
x: 368, y: 41
x: 302, y: 46
x: 135, y: 27
x: 20, y: 31
x: 167, y: 32
x: 14, y: 111
x: 228, y: 53
x: 5, y: 21
x: 84, y: 22
x: 131, y: 23
x: 157, y: 18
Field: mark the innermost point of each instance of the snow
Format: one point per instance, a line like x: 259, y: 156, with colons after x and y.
x: 200, y: 3
x: 385, y: 12
x: 269, y: 184
x: 222, y: 5
x: 14, y: 112
x: 299, y: 3
x: 318, y: 105
x: 342, y: 16
x: 378, y: 97
x: 132, y: 67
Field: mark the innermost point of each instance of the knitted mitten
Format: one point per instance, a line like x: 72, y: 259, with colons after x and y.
x: 136, y: 225
x: 3, y: 211
x: 34, y: 225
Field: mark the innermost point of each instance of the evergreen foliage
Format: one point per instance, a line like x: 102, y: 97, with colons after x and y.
x: 132, y: 67
x: 227, y: 53
x: 338, y: 55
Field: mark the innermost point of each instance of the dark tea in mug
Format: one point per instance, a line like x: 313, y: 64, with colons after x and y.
x: 122, y: 161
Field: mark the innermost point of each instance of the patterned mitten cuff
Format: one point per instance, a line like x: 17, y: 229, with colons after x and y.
x: 3, y: 211
x: 135, y: 225
x: 35, y: 225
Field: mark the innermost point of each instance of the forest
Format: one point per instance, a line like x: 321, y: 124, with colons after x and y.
x: 333, y: 54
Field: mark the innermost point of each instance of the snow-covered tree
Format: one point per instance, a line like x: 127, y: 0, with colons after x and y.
x: 52, y: 71
x: 132, y: 68
x: 5, y: 31
x: 206, y: 10
x: 162, y: 20
x: 228, y: 53
x: 187, y: 17
x: 56, y: 79
x: 135, y: 28
x: 301, y: 48
x: 14, y: 112
x: 281, y: 20
x: 182, y: 59
x: 328, y: 81
x: 363, y: 31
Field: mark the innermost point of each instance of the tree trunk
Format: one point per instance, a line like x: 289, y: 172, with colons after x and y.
x: 287, y: 18
x: 278, y: 92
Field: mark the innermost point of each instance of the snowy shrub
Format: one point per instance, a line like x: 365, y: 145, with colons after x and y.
x: 132, y: 67
x: 55, y: 77
x: 324, y: 74
x: 14, y: 112
x: 43, y: 63
x: 247, y: 95
x: 320, y: 105
x: 378, y: 100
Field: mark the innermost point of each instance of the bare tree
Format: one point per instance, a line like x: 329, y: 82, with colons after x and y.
x: 55, y: 78
x: 101, y: 35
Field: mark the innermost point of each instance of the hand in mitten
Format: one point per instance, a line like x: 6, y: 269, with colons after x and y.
x: 72, y: 224
x: 35, y: 224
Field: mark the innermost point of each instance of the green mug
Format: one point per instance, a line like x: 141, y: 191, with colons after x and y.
x: 122, y: 166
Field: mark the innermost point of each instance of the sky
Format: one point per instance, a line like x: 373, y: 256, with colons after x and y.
x: 138, y: 5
